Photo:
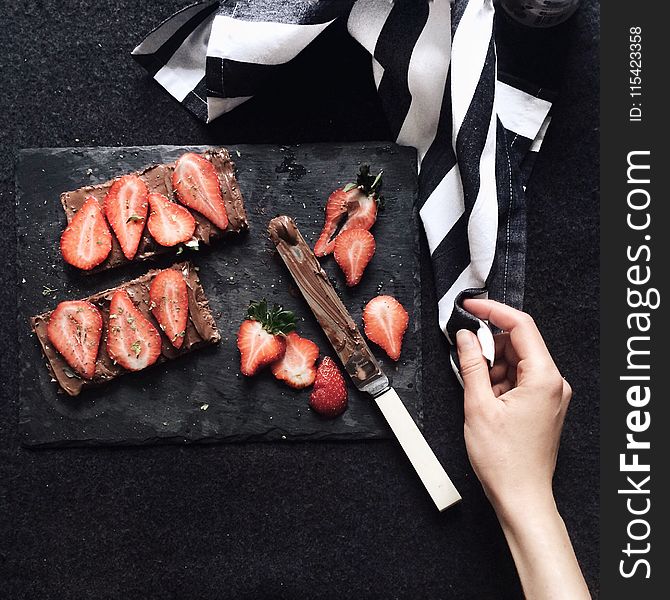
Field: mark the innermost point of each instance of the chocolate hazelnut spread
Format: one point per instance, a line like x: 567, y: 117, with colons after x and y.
x: 158, y: 178
x: 201, y: 329
x: 327, y: 307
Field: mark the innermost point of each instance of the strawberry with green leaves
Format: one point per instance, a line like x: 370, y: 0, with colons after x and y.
x: 261, y: 338
x: 358, y: 201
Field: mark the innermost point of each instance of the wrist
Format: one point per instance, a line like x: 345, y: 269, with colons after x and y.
x: 518, y: 509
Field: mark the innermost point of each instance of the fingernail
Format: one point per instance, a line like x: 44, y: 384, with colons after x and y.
x: 465, y: 338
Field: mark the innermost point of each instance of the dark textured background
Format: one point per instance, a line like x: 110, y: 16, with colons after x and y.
x: 308, y: 520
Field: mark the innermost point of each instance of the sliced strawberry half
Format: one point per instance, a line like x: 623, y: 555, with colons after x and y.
x: 197, y: 186
x: 75, y: 329
x: 169, y: 223
x: 385, y: 322
x: 132, y: 340
x: 169, y: 304
x: 361, y: 213
x: 354, y: 249
x: 126, y: 210
x: 86, y: 241
x: 297, y: 366
x: 329, y: 395
x: 261, y: 337
x: 336, y: 208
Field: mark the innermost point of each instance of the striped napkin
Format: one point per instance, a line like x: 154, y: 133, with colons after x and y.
x: 476, y: 128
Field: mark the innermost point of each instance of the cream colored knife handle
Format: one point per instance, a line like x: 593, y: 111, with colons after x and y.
x: 423, y: 459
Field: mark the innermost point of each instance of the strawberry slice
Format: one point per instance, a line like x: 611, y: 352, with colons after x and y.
x: 75, y: 329
x: 297, y: 366
x: 169, y: 223
x: 354, y: 249
x: 197, y: 185
x: 329, y: 395
x: 358, y: 201
x: 336, y: 208
x: 361, y: 213
x: 385, y: 324
x: 132, y: 341
x: 169, y: 304
x: 261, y: 337
x: 86, y: 241
x: 126, y: 208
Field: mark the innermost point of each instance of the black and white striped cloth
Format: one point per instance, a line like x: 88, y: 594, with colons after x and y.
x: 434, y: 62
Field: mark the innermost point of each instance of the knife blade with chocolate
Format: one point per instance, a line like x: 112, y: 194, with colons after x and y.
x: 357, y: 358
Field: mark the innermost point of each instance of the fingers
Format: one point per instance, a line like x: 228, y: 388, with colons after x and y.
x: 504, y: 351
x: 502, y: 388
x: 524, y: 336
x: 474, y: 370
x: 567, y: 393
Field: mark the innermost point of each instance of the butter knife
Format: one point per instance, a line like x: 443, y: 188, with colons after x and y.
x: 358, y: 360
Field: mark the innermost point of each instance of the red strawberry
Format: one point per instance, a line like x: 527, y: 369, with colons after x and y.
x: 169, y: 304
x: 329, y: 394
x: 358, y: 200
x: 261, y: 338
x: 126, y: 210
x: 86, y: 241
x: 361, y: 213
x: 169, y: 223
x: 296, y: 367
x: 74, y: 329
x: 385, y: 324
x: 132, y: 341
x: 354, y: 249
x: 197, y: 185
x: 336, y: 208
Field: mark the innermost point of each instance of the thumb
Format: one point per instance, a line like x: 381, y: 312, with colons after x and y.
x: 474, y: 369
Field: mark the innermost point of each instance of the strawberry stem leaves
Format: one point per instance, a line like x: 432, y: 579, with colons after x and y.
x: 275, y: 320
x: 369, y: 184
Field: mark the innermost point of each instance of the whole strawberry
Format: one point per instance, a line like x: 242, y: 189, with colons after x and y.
x: 261, y: 338
x: 329, y: 395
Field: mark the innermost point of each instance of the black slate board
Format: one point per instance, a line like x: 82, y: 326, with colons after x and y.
x: 202, y: 397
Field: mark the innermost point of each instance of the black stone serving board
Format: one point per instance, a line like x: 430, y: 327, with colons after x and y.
x: 202, y: 397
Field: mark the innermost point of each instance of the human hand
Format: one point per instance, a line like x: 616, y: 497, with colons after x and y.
x: 513, y: 419
x: 514, y: 412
